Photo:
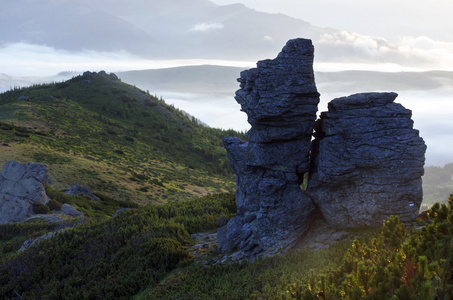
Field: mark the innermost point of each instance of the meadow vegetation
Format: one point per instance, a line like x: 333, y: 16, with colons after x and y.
x: 107, y: 257
x: 99, y: 132
x: 143, y: 253
x: 397, y: 261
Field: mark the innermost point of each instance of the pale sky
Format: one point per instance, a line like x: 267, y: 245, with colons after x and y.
x: 414, y: 31
x: 392, y: 19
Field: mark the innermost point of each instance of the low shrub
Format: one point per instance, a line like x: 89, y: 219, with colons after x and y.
x: 39, y: 208
x: 54, y: 205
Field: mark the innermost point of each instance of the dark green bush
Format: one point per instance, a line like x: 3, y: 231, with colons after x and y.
x: 23, y: 135
x: 39, y: 208
x: 54, y: 205
x: 111, y: 131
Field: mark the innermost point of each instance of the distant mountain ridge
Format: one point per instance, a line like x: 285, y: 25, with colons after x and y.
x: 163, y: 29
x: 208, y: 78
x: 176, y: 29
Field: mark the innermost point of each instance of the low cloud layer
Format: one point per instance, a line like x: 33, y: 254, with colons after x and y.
x: 335, y: 51
x: 416, y: 52
x: 431, y: 111
x: 26, y: 60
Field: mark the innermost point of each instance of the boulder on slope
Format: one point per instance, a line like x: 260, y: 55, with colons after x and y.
x: 20, y: 187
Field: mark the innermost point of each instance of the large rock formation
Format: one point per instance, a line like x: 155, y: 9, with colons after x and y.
x: 367, y: 161
x: 20, y: 186
x: 280, y: 99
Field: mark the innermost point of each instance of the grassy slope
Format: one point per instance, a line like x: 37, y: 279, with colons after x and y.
x: 96, y: 131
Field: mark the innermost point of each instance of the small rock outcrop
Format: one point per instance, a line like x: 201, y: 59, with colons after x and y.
x: 20, y: 186
x: 78, y: 190
x: 71, y: 211
x: 367, y: 161
x: 280, y: 99
x: 33, y: 241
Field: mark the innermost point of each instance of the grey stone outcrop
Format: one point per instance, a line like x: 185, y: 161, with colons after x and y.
x: 364, y: 165
x: 71, y: 211
x: 280, y: 99
x: 78, y: 190
x: 367, y: 161
x: 20, y: 187
x: 119, y: 211
x: 34, y: 241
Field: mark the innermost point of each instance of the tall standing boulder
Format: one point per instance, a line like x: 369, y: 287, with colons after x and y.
x: 20, y: 187
x: 280, y: 99
x: 367, y: 161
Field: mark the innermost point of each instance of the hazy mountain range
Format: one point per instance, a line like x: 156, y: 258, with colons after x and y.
x: 154, y: 29
x: 175, y: 29
x: 209, y: 79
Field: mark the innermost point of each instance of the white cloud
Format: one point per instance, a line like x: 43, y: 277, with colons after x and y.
x: 421, y: 52
x: 206, y: 26
x: 368, y: 45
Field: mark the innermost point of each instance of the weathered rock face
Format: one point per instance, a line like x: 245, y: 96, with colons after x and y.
x: 20, y: 186
x: 367, y: 161
x: 280, y: 99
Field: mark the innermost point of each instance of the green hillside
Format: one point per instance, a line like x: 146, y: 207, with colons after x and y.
x: 99, y: 132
